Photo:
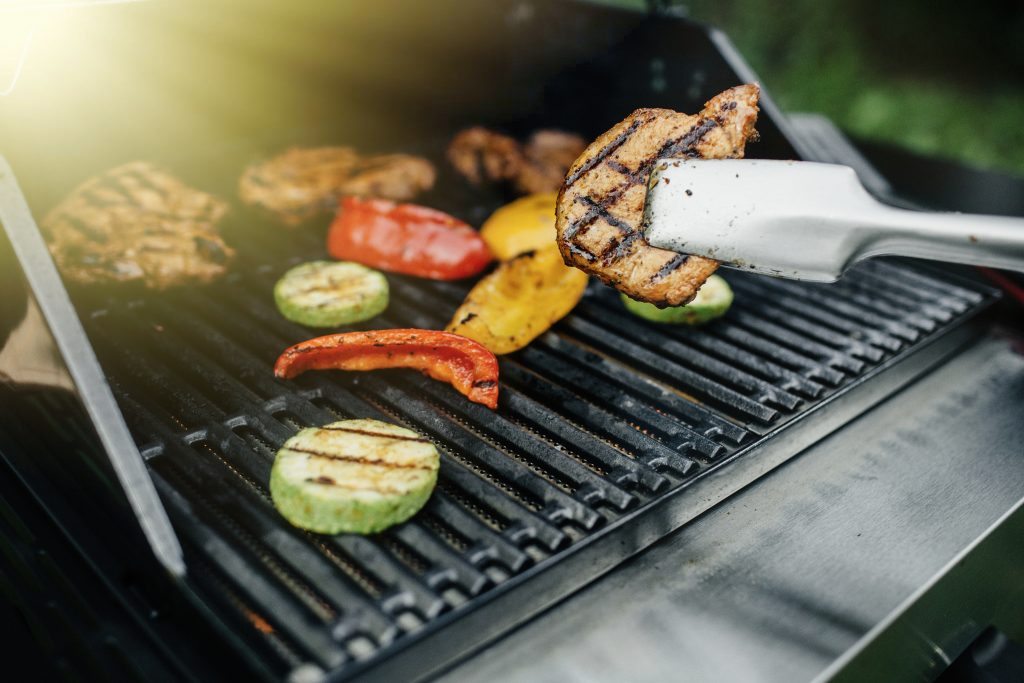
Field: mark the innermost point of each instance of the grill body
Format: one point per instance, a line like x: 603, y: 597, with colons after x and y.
x: 610, y: 432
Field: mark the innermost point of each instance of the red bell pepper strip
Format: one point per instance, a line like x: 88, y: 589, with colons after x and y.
x: 462, y: 362
x: 406, y: 238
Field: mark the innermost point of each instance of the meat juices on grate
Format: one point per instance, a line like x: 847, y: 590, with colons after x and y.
x: 302, y: 182
x: 600, y: 208
x: 138, y: 223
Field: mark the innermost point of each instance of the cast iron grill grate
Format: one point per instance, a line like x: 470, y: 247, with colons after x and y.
x: 599, y: 417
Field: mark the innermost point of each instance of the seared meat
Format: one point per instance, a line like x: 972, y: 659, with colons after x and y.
x: 549, y: 153
x: 600, y: 208
x: 137, y: 222
x: 303, y: 182
x: 398, y: 177
x: 481, y: 155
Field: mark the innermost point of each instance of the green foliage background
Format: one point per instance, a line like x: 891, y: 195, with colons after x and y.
x: 939, y: 77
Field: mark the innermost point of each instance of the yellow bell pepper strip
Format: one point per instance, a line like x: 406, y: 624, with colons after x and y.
x: 519, y: 301
x: 527, y: 223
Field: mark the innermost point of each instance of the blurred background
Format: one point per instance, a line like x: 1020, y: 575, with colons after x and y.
x: 103, y: 85
x: 940, y: 77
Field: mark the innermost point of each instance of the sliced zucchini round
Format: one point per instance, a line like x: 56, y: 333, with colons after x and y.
x: 713, y: 299
x: 358, y: 476
x: 331, y: 293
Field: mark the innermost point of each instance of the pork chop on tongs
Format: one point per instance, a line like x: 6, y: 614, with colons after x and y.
x: 601, y: 205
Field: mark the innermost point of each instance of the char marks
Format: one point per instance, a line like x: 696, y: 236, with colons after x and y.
x: 379, y: 435
x: 618, y: 248
x: 137, y: 222
x: 599, y: 215
x: 685, y: 144
x: 600, y: 207
x: 670, y: 266
x: 355, y: 459
x: 602, y: 155
x: 595, y: 210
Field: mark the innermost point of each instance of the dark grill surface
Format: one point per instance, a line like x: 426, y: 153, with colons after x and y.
x: 602, y: 415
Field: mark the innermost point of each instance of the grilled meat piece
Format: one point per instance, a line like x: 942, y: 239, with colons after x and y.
x: 600, y: 208
x: 302, y: 182
x: 482, y: 155
x: 139, y: 223
x: 548, y: 155
x: 398, y: 177
x: 298, y: 183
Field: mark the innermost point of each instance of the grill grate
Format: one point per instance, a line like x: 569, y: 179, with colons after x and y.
x: 601, y: 416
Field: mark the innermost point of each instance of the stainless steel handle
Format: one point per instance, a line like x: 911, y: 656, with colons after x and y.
x: 994, y: 241
x: 807, y: 221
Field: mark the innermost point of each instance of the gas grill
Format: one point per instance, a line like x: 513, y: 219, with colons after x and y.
x: 610, y: 434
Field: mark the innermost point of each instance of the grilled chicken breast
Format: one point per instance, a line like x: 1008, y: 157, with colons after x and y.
x: 138, y: 223
x: 303, y: 182
x: 485, y: 156
x: 481, y: 155
x: 548, y: 155
x: 601, y: 204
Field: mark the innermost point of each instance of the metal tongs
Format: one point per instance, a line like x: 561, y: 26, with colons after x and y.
x: 808, y: 221
x: 65, y: 348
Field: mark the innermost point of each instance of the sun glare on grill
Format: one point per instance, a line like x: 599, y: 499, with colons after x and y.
x: 22, y: 20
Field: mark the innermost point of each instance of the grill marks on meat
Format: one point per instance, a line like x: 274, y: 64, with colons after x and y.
x: 139, y: 223
x: 600, y: 207
x: 303, y: 182
x: 485, y: 156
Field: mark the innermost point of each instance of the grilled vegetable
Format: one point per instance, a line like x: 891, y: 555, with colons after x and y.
x: 713, y: 300
x: 328, y: 293
x: 406, y: 238
x: 601, y: 206
x: 358, y: 476
x: 519, y: 301
x: 523, y: 225
x: 462, y: 362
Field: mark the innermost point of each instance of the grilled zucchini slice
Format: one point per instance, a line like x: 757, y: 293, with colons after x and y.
x: 713, y: 300
x: 358, y: 476
x: 331, y: 293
